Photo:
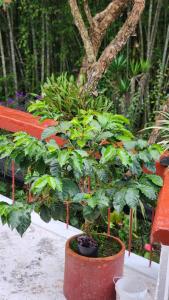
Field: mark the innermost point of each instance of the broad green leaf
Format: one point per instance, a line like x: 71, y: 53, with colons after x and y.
x: 63, y: 157
x: 52, y: 146
x: 77, y: 162
x: 95, y: 125
x: 81, y: 197
x: 25, y: 222
x: 108, y: 154
x: 49, y: 131
x: 52, y: 182
x: 155, y: 154
x: 157, y: 180
x: 120, y: 119
x: 151, y: 166
x: 124, y: 156
x: 132, y: 197
x: 144, y: 156
x: 20, y: 220
x: 119, y: 199
x: 40, y: 183
x: 92, y: 202
x: 90, y: 214
x: 148, y: 191
x: 69, y: 188
x: 129, y: 145
x: 45, y: 213
x: 104, y: 136
x: 142, y: 144
x: 82, y: 153
x: 58, y: 184
x: 103, y: 119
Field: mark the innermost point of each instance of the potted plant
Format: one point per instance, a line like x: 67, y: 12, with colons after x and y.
x: 98, y: 167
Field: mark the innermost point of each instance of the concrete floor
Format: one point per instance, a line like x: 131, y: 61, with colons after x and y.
x: 32, y: 267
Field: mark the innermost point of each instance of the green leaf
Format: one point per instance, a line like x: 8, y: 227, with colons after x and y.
x: 144, y: 156
x: 63, y: 157
x: 108, y: 154
x: 95, y: 125
x: 49, y: 131
x: 58, y: 184
x: 25, y: 222
x: 103, y: 119
x: 151, y: 166
x: 157, y: 180
x: 93, y: 202
x: 69, y: 189
x: 142, y: 144
x: 45, y: 213
x: 20, y: 220
x: 52, y: 146
x: 129, y: 145
x: 124, y: 157
x: 40, y: 183
x: 81, y: 197
x: 119, y: 200
x: 155, y: 154
x: 132, y: 197
x: 148, y: 191
x: 52, y: 182
x: 77, y: 162
x: 82, y: 153
x: 90, y: 214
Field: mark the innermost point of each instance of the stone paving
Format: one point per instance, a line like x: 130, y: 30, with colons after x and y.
x: 32, y: 267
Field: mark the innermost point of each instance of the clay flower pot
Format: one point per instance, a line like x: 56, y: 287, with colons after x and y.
x: 88, y: 278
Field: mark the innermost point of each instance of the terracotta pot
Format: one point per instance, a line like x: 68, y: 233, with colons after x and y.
x: 87, y: 278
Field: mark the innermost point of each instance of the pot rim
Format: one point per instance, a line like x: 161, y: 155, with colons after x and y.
x: 94, y: 259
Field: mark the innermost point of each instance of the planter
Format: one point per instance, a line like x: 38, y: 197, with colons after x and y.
x: 88, y: 278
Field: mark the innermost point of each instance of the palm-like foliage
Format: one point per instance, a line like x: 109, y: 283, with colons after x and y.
x: 163, y: 128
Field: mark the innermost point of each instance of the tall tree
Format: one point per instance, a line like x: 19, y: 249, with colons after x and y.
x: 94, y: 67
x: 12, y: 48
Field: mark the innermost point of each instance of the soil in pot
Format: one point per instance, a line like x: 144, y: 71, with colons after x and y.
x: 106, y: 246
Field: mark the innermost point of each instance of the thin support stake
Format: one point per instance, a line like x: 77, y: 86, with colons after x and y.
x: 108, y: 223
x: 13, y: 182
x: 151, y: 250
x: 89, y: 185
x: 67, y: 214
x: 130, y: 231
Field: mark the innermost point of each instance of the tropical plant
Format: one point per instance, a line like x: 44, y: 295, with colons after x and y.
x: 100, y: 165
x: 62, y: 98
x: 161, y: 129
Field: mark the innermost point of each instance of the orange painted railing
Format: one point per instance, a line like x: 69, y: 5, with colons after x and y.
x: 13, y: 120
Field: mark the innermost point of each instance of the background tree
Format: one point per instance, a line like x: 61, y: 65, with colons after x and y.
x: 95, y: 67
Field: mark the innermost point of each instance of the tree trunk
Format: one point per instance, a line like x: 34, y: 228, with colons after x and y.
x: 35, y: 52
x: 3, y: 64
x: 12, y: 50
x: 43, y: 49
x: 114, y: 47
x: 47, y: 47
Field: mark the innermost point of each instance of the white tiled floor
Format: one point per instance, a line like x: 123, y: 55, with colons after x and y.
x: 31, y: 268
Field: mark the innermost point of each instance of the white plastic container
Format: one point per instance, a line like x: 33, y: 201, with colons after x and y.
x: 130, y: 289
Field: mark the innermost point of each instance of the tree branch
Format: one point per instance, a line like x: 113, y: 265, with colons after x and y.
x: 110, y: 9
x: 115, y: 46
x: 88, y: 12
x: 83, y: 31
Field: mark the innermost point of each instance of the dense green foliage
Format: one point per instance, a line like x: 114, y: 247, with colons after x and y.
x: 99, y: 149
